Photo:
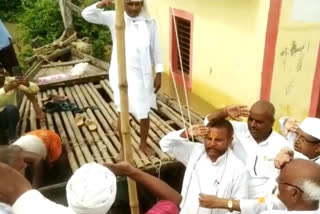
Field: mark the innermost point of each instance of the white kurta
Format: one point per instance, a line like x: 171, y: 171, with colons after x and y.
x: 142, y: 54
x: 256, y: 206
x: 34, y: 202
x: 225, y: 178
x: 291, y: 212
x: 258, y: 158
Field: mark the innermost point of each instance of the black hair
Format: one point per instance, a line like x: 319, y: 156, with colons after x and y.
x: 221, y: 123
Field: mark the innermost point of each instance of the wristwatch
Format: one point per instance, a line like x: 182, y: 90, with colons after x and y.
x: 230, y: 205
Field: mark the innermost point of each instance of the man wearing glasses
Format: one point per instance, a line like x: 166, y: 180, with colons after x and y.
x: 298, y: 192
x: 303, y: 138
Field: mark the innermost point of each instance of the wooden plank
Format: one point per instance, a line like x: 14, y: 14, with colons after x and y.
x: 74, y: 80
x: 74, y: 7
x: 54, y: 64
x: 64, y: 139
x: 94, y: 61
x: 90, y: 137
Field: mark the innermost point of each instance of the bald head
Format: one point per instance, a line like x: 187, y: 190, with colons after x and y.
x: 264, y: 107
x: 299, y: 185
x: 299, y: 170
x: 261, y: 120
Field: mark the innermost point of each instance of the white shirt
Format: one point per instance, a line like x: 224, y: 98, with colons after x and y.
x: 225, y: 178
x: 291, y: 212
x: 33, y: 202
x: 257, y: 157
x: 139, y: 66
x: 256, y: 206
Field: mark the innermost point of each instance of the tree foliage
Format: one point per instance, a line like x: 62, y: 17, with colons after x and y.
x: 41, y: 19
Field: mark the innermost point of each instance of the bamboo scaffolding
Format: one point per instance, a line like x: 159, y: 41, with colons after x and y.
x: 77, y: 133
x: 97, y: 138
x: 25, y: 118
x: 74, y: 141
x: 43, y: 124
x: 48, y: 116
x: 90, y: 139
x: 153, y: 136
x: 124, y: 103
x: 64, y: 139
x: 110, y: 118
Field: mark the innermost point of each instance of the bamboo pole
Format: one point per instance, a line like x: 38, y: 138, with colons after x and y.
x: 43, y: 124
x: 124, y: 103
x: 110, y: 117
x: 65, y: 142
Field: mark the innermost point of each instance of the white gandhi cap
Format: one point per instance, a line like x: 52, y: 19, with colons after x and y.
x: 311, y: 126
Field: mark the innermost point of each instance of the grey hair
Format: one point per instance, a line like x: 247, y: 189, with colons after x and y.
x: 311, y: 189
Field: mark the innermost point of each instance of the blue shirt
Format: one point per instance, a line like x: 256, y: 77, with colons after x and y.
x: 4, y: 36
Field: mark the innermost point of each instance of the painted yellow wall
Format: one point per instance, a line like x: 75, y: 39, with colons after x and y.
x: 228, y: 46
x: 294, y: 70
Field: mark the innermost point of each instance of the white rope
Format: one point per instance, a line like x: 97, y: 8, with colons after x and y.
x: 175, y: 86
x: 182, y: 71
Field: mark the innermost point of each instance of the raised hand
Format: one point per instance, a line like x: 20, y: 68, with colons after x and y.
x: 11, y: 85
x: 284, y: 156
x: 197, y: 130
x: 291, y: 125
x: 104, y: 3
x: 122, y: 168
x: 235, y: 112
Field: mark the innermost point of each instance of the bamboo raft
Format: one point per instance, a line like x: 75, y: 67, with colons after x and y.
x: 93, y: 90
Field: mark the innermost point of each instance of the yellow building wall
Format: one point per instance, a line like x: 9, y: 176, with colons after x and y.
x: 228, y: 46
x: 295, y: 62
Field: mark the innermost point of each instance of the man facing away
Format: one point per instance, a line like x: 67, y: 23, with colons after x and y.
x: 142, y: 55
x: 211, y: 168
x: 255, y: 143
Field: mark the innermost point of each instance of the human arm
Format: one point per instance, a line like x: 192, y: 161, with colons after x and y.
x: 95, y: 14
x: 156, y: 186
x: 235, y: 112
x: 37, y: 166
x: 156, y: 56
x: 287, y: 125
x: 176, y: 144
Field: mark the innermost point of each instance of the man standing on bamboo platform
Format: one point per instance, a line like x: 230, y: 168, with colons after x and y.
x: 142, y: 55
x: 255, y: 143
x: 211, y: 168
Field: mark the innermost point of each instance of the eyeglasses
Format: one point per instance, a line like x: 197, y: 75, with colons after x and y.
x: 302, y: 139
x: 288, y: 184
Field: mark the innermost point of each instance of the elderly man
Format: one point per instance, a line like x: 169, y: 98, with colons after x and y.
x: 142, y: 55
x: 255, y: 143
x: 211, y: 168
x: 304, y: 138
x: 298, y: 186
x: 9, y: 113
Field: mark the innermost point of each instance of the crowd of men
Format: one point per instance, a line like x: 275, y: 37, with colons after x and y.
x: 243, y: 167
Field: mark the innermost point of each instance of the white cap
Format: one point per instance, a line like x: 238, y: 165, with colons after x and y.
x: 91, y: 189
x: 311, y: 126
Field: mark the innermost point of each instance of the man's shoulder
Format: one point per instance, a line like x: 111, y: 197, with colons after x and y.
x: 277, y: 138
x: 235, y: 162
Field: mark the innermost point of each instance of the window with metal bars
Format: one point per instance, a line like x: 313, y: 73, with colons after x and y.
x: 181, y: 40
x: 183, y: 30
